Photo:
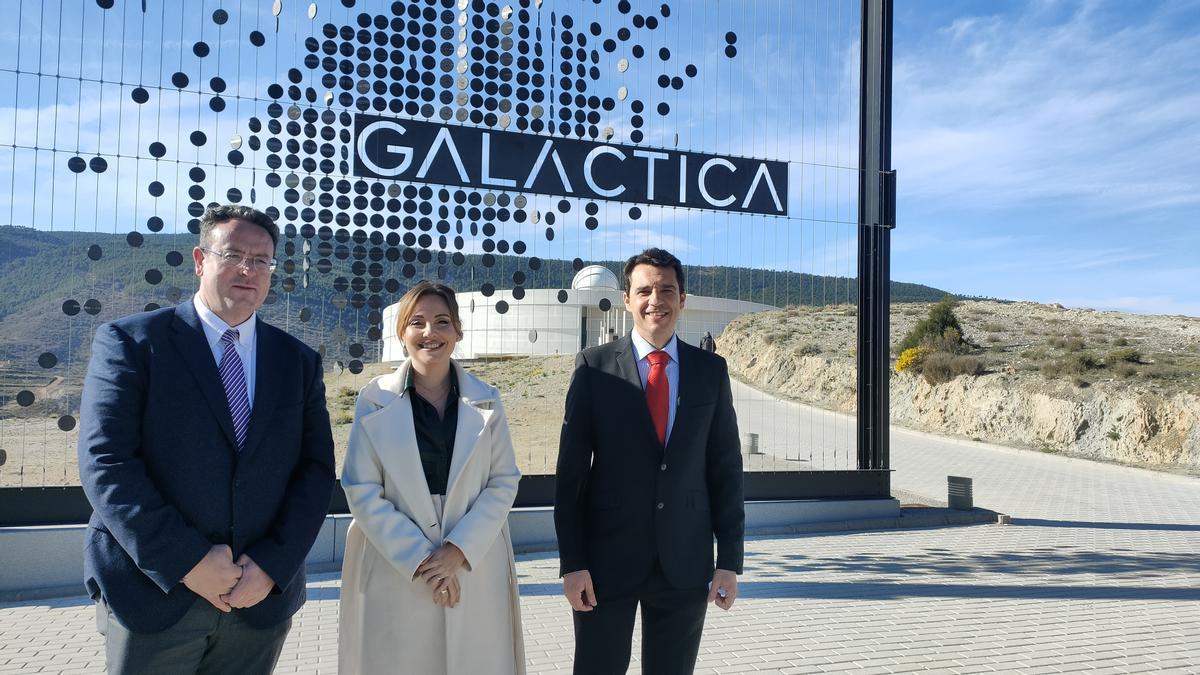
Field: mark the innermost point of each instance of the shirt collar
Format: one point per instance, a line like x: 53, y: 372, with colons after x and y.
x: 215, y: 325
x: 410, y: 383
x: 642, y: 346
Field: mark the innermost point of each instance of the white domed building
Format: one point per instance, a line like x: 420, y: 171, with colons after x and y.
x: 561, y: 321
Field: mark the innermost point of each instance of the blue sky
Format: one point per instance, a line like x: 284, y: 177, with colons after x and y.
x: 1046, y: 150
x: 1050, y: 151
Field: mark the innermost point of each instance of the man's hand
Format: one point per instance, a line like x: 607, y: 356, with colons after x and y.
x: 577, y: 586
x: 441, y: 564
x: 723, y: 590
x: 214, y: 576
x: 254, y: 585
x: 448, y: 592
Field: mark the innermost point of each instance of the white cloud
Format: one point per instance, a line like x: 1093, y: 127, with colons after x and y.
x: 1011, y: 109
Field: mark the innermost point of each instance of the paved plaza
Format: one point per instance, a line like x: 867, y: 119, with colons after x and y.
x: 1098, y: 572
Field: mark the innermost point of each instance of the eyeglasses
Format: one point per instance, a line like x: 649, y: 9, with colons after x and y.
x: 235, y: 259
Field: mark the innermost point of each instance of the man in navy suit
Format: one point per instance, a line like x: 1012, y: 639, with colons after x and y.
x: 649, y: 473
x: 205, y: 451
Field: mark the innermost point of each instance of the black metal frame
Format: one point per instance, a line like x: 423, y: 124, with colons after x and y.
x: 69, y: 506
x: 876, y: 218
x: 877, y: 201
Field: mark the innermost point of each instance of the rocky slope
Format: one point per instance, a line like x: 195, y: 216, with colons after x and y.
x: 1143, y: 411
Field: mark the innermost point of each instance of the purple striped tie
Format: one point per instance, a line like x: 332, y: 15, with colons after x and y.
x: 233, y: 376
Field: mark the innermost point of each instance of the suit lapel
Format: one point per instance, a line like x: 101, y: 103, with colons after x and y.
x: 268, y: 364
x: 626, y: 358
x: 475, y: 406
x: 683, y: 421
x: 188, y: 338
x: 394, y: 437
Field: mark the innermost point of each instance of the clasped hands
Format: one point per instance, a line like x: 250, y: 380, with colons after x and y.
x: 226, y: 584
x: 577, y: 586
x: 439, y: 570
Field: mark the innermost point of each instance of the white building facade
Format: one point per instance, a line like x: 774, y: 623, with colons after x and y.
x: 541, y: 323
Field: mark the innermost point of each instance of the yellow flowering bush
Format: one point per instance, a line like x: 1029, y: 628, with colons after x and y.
x: 912, y: 357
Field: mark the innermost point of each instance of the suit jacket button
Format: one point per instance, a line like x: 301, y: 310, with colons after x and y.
x: 663, y: 467
x: 660, y: 505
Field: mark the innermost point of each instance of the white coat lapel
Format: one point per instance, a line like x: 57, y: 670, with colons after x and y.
x: 394, y: 438
x: 476, y: 403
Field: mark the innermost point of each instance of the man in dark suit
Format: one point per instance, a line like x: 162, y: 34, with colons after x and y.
x: 649, y: 470
x: 206, y: 453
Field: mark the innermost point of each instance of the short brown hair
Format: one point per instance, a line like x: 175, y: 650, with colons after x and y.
x: 215, y: 215
x: 656, y: 257
x: 408, y: 304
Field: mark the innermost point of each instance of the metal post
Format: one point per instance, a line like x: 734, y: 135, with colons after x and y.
x: 876, y: 218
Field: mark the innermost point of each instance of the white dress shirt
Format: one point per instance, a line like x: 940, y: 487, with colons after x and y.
x: 642, y: 347
x: 215, y: 327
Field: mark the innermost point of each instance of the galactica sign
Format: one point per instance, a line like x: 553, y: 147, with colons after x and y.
x: 425, y: 152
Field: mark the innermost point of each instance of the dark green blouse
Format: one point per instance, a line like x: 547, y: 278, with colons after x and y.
x: 435, y: 436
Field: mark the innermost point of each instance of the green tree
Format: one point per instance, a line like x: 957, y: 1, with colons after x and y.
x: 940, y: 331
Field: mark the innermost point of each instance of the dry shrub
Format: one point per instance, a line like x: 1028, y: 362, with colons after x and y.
x: 1075, y: 363
x: 1124, y: 370
x: 1070, y: 344
x: 808, y: 349
x: 1122, y: 355
x: 941, y: 367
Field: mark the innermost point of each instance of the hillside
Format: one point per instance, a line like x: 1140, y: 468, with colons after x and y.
x: 1103, y: 385
x: 40, y: 271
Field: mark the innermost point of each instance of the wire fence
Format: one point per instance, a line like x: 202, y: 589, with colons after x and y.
x: 517, y: 151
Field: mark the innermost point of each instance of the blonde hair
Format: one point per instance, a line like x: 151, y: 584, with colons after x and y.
x: 408, y: 304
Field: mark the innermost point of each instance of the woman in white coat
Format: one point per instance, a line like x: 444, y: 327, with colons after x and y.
x: 428, y: 581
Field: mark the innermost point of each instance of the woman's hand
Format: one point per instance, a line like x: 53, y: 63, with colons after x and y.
x: 441, y: 564
x: 448, y: 592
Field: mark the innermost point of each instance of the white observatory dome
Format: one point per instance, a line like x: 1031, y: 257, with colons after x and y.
x: 595, y: 277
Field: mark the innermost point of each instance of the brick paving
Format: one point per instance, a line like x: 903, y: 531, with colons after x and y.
x: 1098, y: 573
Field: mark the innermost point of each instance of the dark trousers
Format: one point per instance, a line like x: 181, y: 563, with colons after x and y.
x: 206, y: 640
x: 672, y: 622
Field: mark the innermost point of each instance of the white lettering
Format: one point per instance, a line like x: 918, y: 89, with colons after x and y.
x: 700, y: 180
x: 587, y: 170
x: 548, y: 151
x: 759, y: 175
x: 485, y: 168
x: 650, y: 158
x: 444, y: 139
x: 683, y: 179
x: 404, y: 151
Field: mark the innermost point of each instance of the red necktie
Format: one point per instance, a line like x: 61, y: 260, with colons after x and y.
x: 658, y: 392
